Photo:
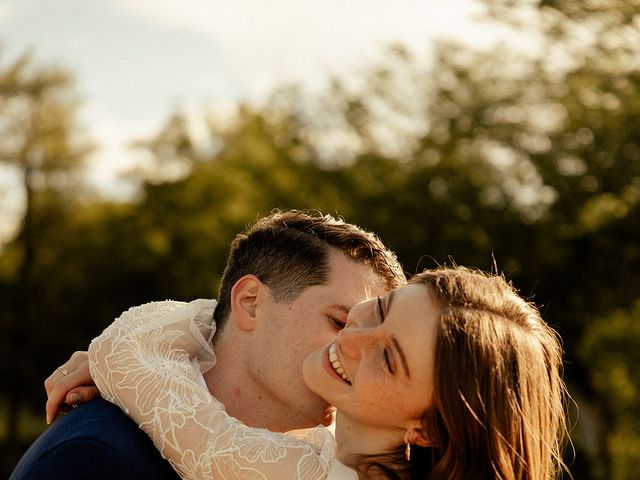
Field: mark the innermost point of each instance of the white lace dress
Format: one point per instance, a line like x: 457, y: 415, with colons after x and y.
x: 142, y: 363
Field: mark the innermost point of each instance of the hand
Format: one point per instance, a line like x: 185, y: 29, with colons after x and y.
x: 69, y: 385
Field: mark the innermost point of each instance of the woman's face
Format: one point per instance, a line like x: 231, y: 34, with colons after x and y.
x: 380, y: 370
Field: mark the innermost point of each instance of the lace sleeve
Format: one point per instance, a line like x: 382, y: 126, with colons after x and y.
x: 142, y: 364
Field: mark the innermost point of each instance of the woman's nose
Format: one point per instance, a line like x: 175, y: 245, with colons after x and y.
x: 361, y: 316
x: 354, y: 341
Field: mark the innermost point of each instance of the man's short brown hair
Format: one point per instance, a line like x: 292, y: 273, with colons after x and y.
x: 289, y: 252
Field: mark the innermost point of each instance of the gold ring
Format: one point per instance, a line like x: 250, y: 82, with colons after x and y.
x: 63, y: 371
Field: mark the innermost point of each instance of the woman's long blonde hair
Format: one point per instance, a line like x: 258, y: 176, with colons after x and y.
x: 499, y: 396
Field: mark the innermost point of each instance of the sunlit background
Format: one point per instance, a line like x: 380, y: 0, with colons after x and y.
x: 137, y: 137
x: 135, y: 61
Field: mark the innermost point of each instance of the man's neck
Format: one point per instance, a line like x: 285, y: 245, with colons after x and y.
x: 231, y: 384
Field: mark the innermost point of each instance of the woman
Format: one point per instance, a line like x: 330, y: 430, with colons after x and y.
x: 455, y: 365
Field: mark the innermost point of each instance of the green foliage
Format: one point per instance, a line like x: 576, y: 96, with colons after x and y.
x: 38, y: 131
x: 39, y: 140
x: 611, y: 346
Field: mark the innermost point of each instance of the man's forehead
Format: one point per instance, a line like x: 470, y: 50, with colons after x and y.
x: 357, y: 277
x: 343, y: 300
x: 339, y: 307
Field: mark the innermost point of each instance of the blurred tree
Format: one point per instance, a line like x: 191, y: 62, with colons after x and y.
x: 239, y: 170
x: 39, y: 139
x: 611, y: 345
x: 591, y: 53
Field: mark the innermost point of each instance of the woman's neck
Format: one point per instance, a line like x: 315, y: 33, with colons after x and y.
x: 354, y: 439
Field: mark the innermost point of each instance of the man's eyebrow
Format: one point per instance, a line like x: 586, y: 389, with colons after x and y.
x: 402, y: 357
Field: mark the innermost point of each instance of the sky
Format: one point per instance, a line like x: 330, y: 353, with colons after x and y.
x: 136, y: 61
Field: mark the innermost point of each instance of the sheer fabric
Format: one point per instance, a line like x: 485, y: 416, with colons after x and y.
x: 142, y: 363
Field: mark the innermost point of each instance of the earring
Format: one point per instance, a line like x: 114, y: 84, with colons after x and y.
x: 407, y: 452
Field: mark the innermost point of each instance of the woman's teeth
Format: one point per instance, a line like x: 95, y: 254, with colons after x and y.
x: 335, y: 363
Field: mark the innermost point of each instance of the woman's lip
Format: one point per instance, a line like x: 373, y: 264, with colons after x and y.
x: 327, y: 365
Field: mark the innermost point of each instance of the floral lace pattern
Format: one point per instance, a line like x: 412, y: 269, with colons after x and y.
x: 142, y: 363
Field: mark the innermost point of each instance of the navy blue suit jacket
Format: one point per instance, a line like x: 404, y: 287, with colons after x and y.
x: 94, y: 441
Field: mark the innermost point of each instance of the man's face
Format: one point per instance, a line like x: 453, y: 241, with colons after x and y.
x: 291, y: 331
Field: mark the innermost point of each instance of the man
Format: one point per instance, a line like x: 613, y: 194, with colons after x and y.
x: 288, y: 285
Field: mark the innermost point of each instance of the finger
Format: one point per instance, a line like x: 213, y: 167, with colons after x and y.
x: 51, y: 380
x: 54, y: 404
x: 60, y: 390
x: 83, y: 394
x: 62, y: 386
x: 56, y: 391
x: 76, y: 361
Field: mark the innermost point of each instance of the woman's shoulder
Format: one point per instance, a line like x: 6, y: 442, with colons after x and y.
x: 166, y: 306
x: 339, y: 471
x: 148, y: 312
x: 151, y: 308
x: 324, y: 443
x: 321, y: 438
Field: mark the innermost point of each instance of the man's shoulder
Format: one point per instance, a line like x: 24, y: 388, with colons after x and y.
x: 93, y: 441
x: 98, y: 420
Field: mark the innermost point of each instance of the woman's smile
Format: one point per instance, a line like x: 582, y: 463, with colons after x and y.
x: 333, y: 365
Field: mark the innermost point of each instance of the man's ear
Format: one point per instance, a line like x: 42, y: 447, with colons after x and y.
x: 244, y: 301
x: 416, y: 435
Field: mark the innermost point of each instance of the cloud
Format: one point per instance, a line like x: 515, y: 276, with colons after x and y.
x: 262, y: 43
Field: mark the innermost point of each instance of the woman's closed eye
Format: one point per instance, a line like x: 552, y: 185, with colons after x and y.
x: 387, y: 355
x: 387, y: 361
